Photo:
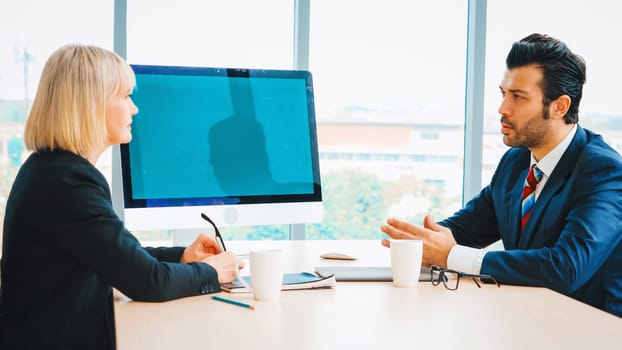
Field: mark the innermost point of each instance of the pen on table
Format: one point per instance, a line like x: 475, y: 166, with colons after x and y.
x: 234, y: 302
x: 221, y: 245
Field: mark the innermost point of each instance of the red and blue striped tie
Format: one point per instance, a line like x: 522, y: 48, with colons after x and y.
x: 529, y: 194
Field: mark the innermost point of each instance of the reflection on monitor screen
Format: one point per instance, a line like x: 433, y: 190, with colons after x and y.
x: 237, y: 144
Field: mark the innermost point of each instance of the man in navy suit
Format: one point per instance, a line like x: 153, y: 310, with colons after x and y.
x: 571, y: 238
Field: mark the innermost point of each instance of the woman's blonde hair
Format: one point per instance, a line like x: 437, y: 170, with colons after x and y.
x: 68, y: 111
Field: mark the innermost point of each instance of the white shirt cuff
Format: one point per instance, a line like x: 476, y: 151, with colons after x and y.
x: 465, y: 259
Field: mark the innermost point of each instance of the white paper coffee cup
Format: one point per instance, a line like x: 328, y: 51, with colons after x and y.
x: 266, y: 273
x: 406, y: 257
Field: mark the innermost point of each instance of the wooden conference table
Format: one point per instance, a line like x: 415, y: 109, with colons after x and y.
x: 367, y: 315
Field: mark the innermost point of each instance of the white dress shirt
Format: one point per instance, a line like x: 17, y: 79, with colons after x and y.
x: 469, y: 260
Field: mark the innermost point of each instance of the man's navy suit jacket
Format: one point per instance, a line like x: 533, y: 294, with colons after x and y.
x: 572, y: 242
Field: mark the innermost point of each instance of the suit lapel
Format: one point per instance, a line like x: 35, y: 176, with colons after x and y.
x: 557, y: 180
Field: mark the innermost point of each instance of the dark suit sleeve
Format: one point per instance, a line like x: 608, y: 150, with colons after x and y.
x: 95, y: 236
x: 172, y: 254
x: 477, y: 224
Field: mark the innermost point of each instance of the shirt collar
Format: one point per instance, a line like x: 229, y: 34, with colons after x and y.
x: 548, y: 162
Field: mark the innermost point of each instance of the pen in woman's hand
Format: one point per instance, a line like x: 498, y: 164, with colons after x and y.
x: 221, y: 245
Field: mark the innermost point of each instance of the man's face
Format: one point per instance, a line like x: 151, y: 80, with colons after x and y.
x: 524, y: 118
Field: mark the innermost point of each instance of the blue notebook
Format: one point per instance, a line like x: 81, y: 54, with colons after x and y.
x: 291, y: 281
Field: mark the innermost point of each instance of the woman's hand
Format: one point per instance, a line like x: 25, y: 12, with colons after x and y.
x: 203, y: 247
x: 226, y: 264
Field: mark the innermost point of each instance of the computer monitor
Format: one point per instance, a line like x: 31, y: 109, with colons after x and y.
x: 239, y: 145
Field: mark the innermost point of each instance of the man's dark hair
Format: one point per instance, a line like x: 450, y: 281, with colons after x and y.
x: 563, y: 71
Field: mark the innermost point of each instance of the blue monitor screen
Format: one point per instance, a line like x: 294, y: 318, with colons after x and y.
x: 220, y: 136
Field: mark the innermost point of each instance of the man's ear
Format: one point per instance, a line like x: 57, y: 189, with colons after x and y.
x: 560, y: 106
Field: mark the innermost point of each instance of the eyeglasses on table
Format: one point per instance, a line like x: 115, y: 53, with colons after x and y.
x: 451, y: 278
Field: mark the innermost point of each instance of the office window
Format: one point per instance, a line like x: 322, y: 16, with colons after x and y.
x: 389, y: 79
x: 30, y: 31
x: 213, y: 33
x: 591, y: 29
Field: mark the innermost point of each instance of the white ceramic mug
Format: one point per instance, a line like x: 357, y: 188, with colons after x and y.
x: 266, y: 273
x: 406, y: 257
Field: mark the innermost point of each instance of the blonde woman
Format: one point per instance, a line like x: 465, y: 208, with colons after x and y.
x: 64, y: 248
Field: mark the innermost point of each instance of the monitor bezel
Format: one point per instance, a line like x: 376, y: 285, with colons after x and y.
x: 226, y: 210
